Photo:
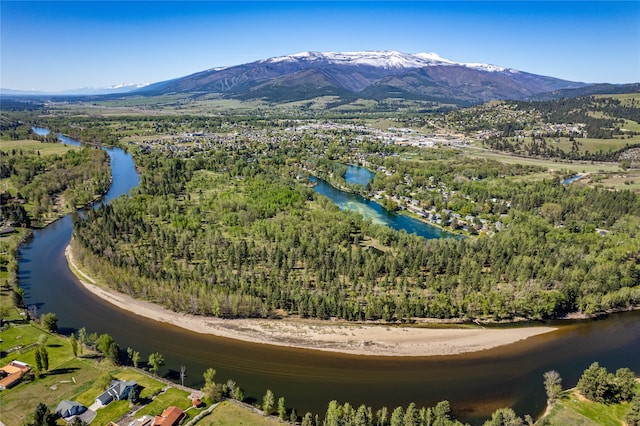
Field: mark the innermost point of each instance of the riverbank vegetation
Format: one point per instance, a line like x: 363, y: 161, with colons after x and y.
x: 600, y: 398
x: 41, y: 181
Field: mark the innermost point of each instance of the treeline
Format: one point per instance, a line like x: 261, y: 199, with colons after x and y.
x: 345, y: 414
x: 220, y: 235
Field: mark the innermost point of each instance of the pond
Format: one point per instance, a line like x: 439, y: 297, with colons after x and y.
x: 371, y: 209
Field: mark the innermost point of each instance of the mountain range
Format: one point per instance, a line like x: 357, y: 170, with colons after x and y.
x: 364, y: 75
x: 349, y: 76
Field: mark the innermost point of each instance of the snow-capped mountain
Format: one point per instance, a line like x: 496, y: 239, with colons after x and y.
x: 381, y: 59
x: 364, y: 74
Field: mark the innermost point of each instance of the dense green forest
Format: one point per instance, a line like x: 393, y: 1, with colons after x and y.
x: 41, y: 186
x: 235, y: 232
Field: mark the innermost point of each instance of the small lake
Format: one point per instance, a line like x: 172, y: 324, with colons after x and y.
x: 40, y: 131
x: 358, y: 175
x: 370, y: 209
x: 571, y: 179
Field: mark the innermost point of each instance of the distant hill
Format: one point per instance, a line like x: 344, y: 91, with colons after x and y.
x: 83, y: 91
x: 592, y: 89
x: 366, y: 75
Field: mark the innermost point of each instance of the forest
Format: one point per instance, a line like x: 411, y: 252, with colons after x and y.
x: 237, y: 231
x: 42, y: 186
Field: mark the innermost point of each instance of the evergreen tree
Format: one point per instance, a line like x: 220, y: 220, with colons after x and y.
x: 307, y: 420
x: 282, y: 410
x: 267, y: 402
x: 397, y: 417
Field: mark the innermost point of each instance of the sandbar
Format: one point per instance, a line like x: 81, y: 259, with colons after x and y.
x: 334, y: 336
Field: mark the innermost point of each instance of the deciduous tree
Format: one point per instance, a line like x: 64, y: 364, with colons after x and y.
x: 156, y: 360
x: 50, y: 322
x: 74, y: 344
x: 552, y: 385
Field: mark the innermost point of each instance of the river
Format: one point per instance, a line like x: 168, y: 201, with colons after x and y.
x: 475, y: 384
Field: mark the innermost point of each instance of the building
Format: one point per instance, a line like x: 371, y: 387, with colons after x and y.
x: 68, y: 408
x: 11, y: 373
x: 118, y: 390
x: 171, y: 416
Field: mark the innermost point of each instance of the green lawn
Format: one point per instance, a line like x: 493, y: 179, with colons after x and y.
x: 231, y: 414
x: 150, y: 385
x: 112, y: 412
x: 574, y: 409
x: 57, y: 347
x: 172, y: 397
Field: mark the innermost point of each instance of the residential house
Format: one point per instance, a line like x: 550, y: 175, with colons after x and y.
x: 11, y: 373
x: 118, y: 390
x: 68, y: 408
x: 169, y: 417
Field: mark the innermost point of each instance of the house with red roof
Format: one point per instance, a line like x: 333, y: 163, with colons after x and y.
x: 171, y: 416
x: 11, y: 373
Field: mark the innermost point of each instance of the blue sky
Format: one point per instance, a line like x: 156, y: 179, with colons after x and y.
x: 63, y: 45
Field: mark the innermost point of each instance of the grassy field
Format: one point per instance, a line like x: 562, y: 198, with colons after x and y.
x: 625, y: 98
x: 172, y: 397
x: 623, y: 180
x: 608, y: 175
x: 29, y: 146
x: 231, y: 414
x: 574, y: 409
x: 595, y: 145
x: 67, y: 376
x: 568, y: 166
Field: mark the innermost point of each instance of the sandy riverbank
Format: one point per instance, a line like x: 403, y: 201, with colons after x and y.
x: 359, y: 339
